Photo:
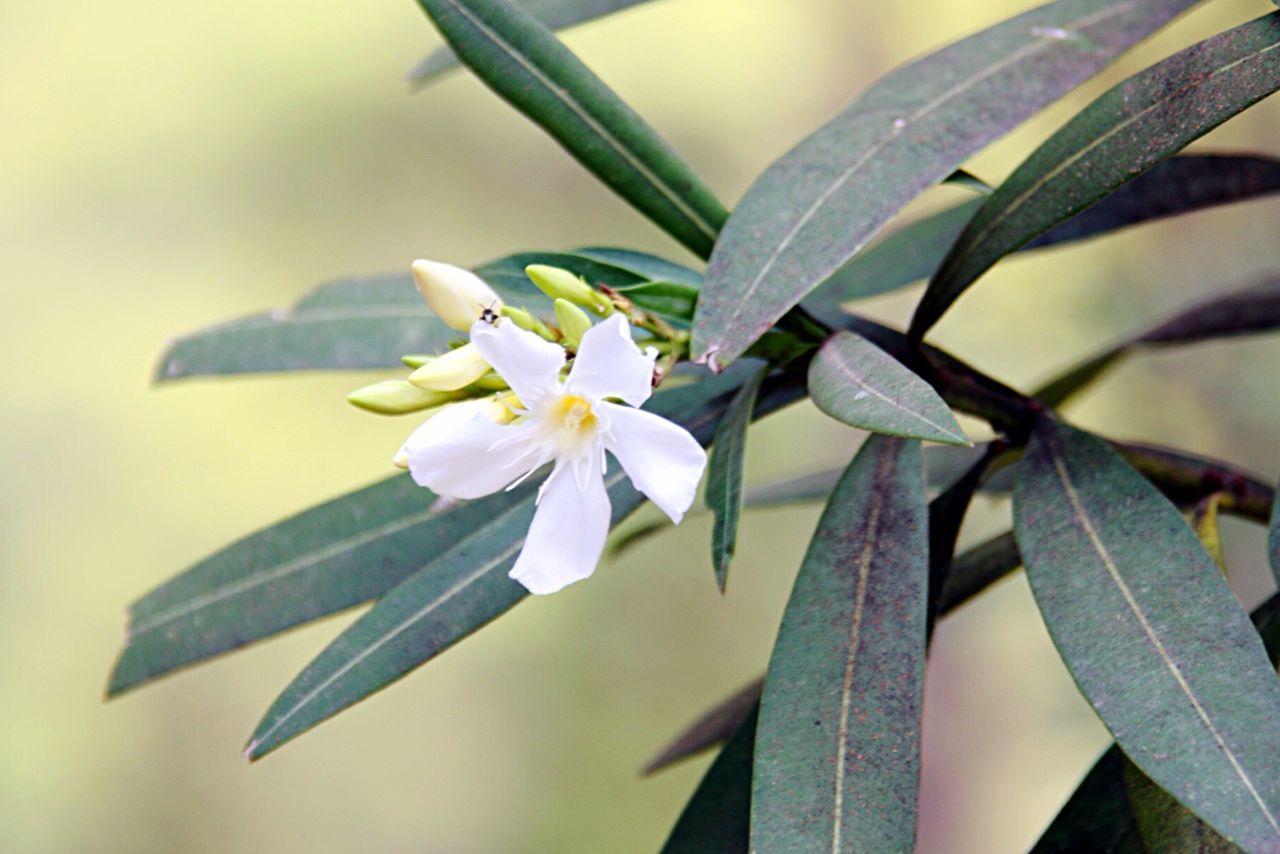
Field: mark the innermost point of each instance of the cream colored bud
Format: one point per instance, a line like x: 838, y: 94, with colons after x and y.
x: 458, y: 296
x: 401, y: 460
x: 397, y: 397
x: 454, y: 370
x: 573, y: 322
x: 561, y: 284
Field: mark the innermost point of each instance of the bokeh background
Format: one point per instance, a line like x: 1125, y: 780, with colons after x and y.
x: 164, y: 166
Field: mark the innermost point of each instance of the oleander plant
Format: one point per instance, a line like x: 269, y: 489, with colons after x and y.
x: 553, y: 392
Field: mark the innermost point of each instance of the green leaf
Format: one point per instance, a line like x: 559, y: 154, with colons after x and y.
x: 1179, y: 185
x: 1247, y: 311
x: 977, y: 569
x: 1144, y: 620
x: 818, y: 205
x: 838, y: 746
x: 526, y: 65
x: 460, y: 590
x: 1098, y: 817
x: 712, y: 728
x: 329, y: 558
x: 724, y: 472
x: 642, y: 265
x: 717, y: 818
x: 1274, y: 539
x: 553, y: 14
x: 946, y: 515
x: 359, y: 323
x: 1163, y: 823
x: 857, y: 383
x: 1135, y: 125
x: 671, y: 300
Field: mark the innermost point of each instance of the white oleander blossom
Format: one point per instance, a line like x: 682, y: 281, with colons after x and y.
x: 462, y: 453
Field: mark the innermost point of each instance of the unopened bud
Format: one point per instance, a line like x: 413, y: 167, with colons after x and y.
x: 401, y: 460
x: 454, y: 370
x: 573, y: 322
x: 527, y: 321
x: 561, y: 284
x: 397, y: 397
x: 415, y: 361
x: 458, y: 296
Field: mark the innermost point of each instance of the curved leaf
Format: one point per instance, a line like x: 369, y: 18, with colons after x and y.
x: 1151, y: 632
x: 712, y: 728
x: 724, y: 472
x: 1179, y: 185
x: 324, y: 560
x: 717, y: 818
x: 522, y: 61
x: 857, y: 383
x: 1164, y: 824
x: 838, y: 744
x: 553, y: 14
x: 1126, y: 131
x: 641, y: 264
x: 819, y: 204
x: 1274, y: 539
x: 459, y: 591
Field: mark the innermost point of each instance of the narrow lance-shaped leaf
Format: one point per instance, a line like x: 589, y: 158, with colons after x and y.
x: 724, y: 472
x: 717, y: 818
x: 1135, y: 125
x: 712, y: 728
x: 819, y: 204
x: 838, y: 744
x: 857, y: 383
x: 1163, y: 824
x: 1144, y: 620
x: 1248, y: 311
x: 522, y: 61
x: 459, y: 591
x: 1274, y: 539
x: 1179, y: 185
x: 329, y: 558
x: 553, y: 14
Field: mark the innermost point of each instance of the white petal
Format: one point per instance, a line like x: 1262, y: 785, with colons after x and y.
x: 568, y: 532
x: 451, y: 453
x: 609, y: 364
x: 662, y: 458
x: 530, y: 364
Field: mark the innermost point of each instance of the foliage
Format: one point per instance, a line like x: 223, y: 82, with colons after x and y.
x: 824, y: 752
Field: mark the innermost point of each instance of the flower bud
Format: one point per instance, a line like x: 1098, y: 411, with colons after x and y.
x: 458, y: 296
x: 397, y: 397
x: 573, y: 322
x: 561, y: 284
x: 413, y: 360
x: 454, y: 370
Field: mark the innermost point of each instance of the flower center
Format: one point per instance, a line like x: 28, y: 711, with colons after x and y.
x: 573, y: 415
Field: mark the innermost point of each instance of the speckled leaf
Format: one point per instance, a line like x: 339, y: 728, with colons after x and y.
x: 818, y: 205
x: 460, y: 590
x: 1145, y: 621
x: 1135, y: 125
x: 712, y: 728
x: 553, y: 14
x: 716, y: 819
x: 838, y: 746
x: 1179, y: 185
x: 857, y: 383
x: 724, y: 472
x: 326, y: 559
x: 1248, y: 311
x: 524, y: 63
x: 1163, y: 824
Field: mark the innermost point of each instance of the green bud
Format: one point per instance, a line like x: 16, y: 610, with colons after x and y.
x: 528, y: 322
x: 561, y: 284
x: 456, y: 369
x: 415, y: 361
x: 490, y: 382
x: 573, y: 321
x: 398, y: 397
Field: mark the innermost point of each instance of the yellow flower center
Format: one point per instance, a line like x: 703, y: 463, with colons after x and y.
x: 573, y: 414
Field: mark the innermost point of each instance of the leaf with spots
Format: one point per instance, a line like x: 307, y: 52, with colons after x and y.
x: 1151, y: 633
x: 837, y: 757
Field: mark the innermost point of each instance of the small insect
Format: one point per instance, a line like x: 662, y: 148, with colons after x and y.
x: 489, y: 316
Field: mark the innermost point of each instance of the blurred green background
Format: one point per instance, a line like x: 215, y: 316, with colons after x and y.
x: 164, y: 166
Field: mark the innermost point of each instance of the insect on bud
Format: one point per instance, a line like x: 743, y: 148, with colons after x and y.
x: 458, y: 296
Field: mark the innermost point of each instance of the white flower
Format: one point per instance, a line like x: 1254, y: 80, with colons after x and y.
x: 458, y: 296
x: 463, y: 454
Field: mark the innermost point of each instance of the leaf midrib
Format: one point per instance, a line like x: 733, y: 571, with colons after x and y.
x: 840, y: 364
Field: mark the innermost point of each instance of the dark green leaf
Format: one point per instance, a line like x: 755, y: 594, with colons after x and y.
x: 712, y: 728
x: 968, y: 180
x: 671, y: 300
x: 818, y: 205
x: 522, y: 61
x: 1179, y: 185
x: 724, y: 472
x: 331, y: 557
x: 642, y: 264
x: 946, y: 515
x: 1145, y: 621
x: 717, y: 818
x: 1135, y: 125
x: 1274, y: 539
x: 838, y: 746
x: 857, y: 383
x: 1164, y: 824
x: 460, y: 590
x: 554, y: 15
x: 1247, y: 311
